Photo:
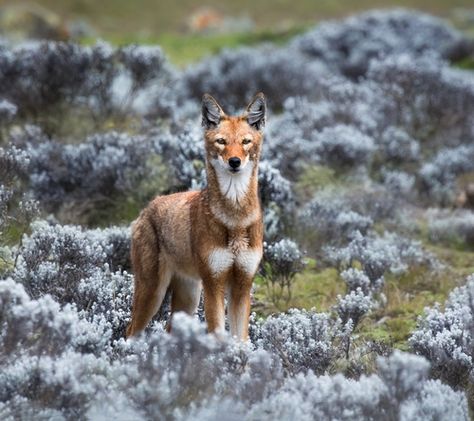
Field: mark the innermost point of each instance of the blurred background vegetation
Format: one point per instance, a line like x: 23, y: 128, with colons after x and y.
x: 188, y: 30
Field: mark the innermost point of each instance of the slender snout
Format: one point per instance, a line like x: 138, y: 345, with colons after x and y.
x: 234, y: 162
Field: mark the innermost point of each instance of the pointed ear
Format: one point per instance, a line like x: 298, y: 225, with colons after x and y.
x: 256, y: 111
x: 211, y: 112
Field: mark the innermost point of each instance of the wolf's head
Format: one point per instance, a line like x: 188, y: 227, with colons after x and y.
x: 233, y: 143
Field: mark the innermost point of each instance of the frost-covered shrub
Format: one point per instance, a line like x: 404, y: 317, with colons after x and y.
x: 438, y: 175
x: 356, y: 279
x: 399, y: 183
x: 344, y: 146
x: 435, y: 401
x: 273, y: 222
x: 348, y: 46
x: 451, y: 226
x: 337, y: 108
x: 335, y: 214
x: 103, y: 166
x: 107, y: 296
x: 406, y: 380
x: 398, y: 146
x: 37, y: 76
x: 144, y: 63
x: 274, y: 187
x: 68, y: 368
x: 372, y: 201
x: 16, y: 206
x: 446, y: 337
x: 13, y: 167
x: 353, y: 306
x: 55, y: 328
x: 50, y: 356
x: 378, y: 255
x: 7, y: 111
x: 185, y: 152
x: 163, y: 371
x: 44, y: 387
x: 370, y: 398
x: 282, y: 260
x: 285, y: 145
x: 284, y: 257
x: 302, y: 340
x: 234, y: 76
x: 358, y: 105
x: 79, y: 267
x: 431, y: 101
x: 146, y: 83
x: 115, y: 243
x: 54, y: 259
x: 333, y: 219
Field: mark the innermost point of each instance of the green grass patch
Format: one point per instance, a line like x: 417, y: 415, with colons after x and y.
x: 406, y: 296
x: 467, y: 63
x: 118, y: 212
x: 314, y: 288
x: 183, y: 49
x: 144, y: 17
x: 312, y: 179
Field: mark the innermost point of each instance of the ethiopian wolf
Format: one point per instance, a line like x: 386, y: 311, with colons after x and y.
x: 209, y: 239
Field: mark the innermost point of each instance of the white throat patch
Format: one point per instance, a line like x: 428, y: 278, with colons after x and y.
x: 234, y: 186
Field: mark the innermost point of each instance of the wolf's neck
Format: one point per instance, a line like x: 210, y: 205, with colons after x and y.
x: 238, y: 191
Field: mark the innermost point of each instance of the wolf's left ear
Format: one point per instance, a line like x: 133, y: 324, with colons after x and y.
x: 211, y: 112
x: 256, y: 111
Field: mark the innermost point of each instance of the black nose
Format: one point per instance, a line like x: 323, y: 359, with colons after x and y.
x: 234, y: 162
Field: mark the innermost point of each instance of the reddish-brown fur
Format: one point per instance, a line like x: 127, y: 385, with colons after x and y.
x: 211, y: 238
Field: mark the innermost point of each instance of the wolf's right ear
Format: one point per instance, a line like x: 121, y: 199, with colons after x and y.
x: 211, y: 112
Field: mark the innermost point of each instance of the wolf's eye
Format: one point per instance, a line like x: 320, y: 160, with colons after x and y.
x: 220, y: 141
x: 246, y: 141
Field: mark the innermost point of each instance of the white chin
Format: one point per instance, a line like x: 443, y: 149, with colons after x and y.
x: 233, y: 184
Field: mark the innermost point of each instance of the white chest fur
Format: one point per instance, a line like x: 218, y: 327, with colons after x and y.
x: 248, y: 260
x: 222, y: 259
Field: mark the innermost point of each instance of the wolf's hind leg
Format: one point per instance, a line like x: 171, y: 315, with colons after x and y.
x: 186, y: 294
x: 152, y: 278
